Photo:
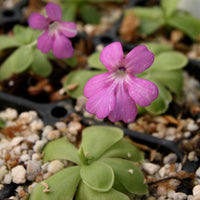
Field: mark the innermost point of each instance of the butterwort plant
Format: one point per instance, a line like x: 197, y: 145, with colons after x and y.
x: 26, y: 57
x: 106, y: 167
x: 56, y: 32
x: 114, y: 94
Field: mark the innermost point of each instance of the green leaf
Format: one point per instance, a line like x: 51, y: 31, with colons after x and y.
x: 161, y: 104
x: 128, y: 174
x: 62, y: 185
x: 2, y: 123
x: 98, y: 176
x: 151, y: 13
x: 69, y: 12
x: 170, y: 60
x: 7, y: 42
x: 157, y: 48
x: 72, y: 62
x: 60, y: 149
x: 17, y: 62
x: 149, y: 22
x: 171, y: 79
x: 124, y: 149
x: 84, y: 192
x: 94, y: 61
x: 22, y: 59
x: 169, y: 6
x: 90, y: 14
x: 23, y: 34
x: 41, y: 65
x: 97, y: 139
x: 186, y: 23
x: 148, y: 27
x: 79, y: 77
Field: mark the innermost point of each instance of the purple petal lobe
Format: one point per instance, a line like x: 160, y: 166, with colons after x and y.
x: 138, y: 60
x: 68, y: 29
x: 62, y: 47
x: 102, y: 103
x: 37, y: 21
x: 96, y: 84
x: 125, y: 108
x: 112, y: 56
x: 45, y: 42
x: 142, y: 91
x: 54, y: 11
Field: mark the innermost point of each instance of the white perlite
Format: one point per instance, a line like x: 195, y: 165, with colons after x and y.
x: 150, y: 168
x: 18, y: 174
x: 55, y: 166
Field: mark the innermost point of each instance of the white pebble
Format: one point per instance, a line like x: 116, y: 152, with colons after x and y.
x: 150, y: 168
x: 170, y: 158
x: 47, y: 129
x: 39, y: 145
x: 37, y: 156
x: 53, y: 135
x: 36, y: 125
x: 177, y: 195
x: 55, y: 166
x: 198, y: 172
x: 3, y: 171
x: 192, y: 127
x: 196, y: 190
x: 9, y: 114
x: 32, y: 138
x: 33, y: 169
x: 18, y: 174
x: 60, y: 125
x: 24, y: 157
x: 74, y: 127
x: 28, y: 117
x: 16, y: 140
x: 7, y: 179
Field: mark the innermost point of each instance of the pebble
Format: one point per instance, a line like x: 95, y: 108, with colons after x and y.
x: 9, y: 114
x: 55, y: 166
x: 33, y: 168
x: 18, y: 174
x: 150, y: 168
x: 177, y: 195
x: 7, y: 179
x: 16, y: 141
x: 3, y: 171
x: 170, y: 158
x: 36, y: 125
x: 192, y: 127
x: 192, y: 156
x: 47, y: 129
x: 39, y: 145
x: 74, y: 127
x: 53, y: 135
x: 28, y: 117
x: 32, y: 138
x: 198, y: 172
x: 24, y: 158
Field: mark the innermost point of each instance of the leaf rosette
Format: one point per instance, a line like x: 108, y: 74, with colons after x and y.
x: 105, y: 168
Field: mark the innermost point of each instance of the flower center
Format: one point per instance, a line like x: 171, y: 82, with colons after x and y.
x: 121, y: 71
x: 53, y: 25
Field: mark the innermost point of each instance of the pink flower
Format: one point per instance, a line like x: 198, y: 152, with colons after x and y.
x: 56, y: 32
x: 116, y: 92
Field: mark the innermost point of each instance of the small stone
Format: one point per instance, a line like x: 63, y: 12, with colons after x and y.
x: 53, y: 135
x: 9, y: 114
x: 60, y: 125
x: 196, y: 190
x: 187, y: 134
x: 47, y: 129
x: 39, y: 145
x: 3, y: 171
x: 192, y: 156
x: 28, y: 117
x: 164, y: 170
x: 24, y: 157
x: 178, y: 195
x: 150, y: 168
x: 36, y: 125
x: 171, y: 158
x: 198, y: 172
x: 74, y: 127
x: 16, y: 141
x: 55, y: 166
x: 7, y: 179
x: 18, y: 174
x: 37, y: 156
x: 32, y: 170
x: 32, y: 138
x: 192, y: 127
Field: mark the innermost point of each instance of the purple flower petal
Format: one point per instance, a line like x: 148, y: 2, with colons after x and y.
x: 54, y: 11
x: 138, y: 60
x: 45, y: 42
x: 112, y: 56
x: 68, y: 29
x: 102, y: 103
x: 142, y: 91
x: 96, y: 84
x: 125, y: 108
x: 62, y: 47
x: 37, y: 21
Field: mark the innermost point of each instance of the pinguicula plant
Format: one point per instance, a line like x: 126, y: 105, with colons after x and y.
x: 85, y: 9
x: 166, y: 15
x: 165, y: 72
x: 105, y: 168
x: 55, y: 36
